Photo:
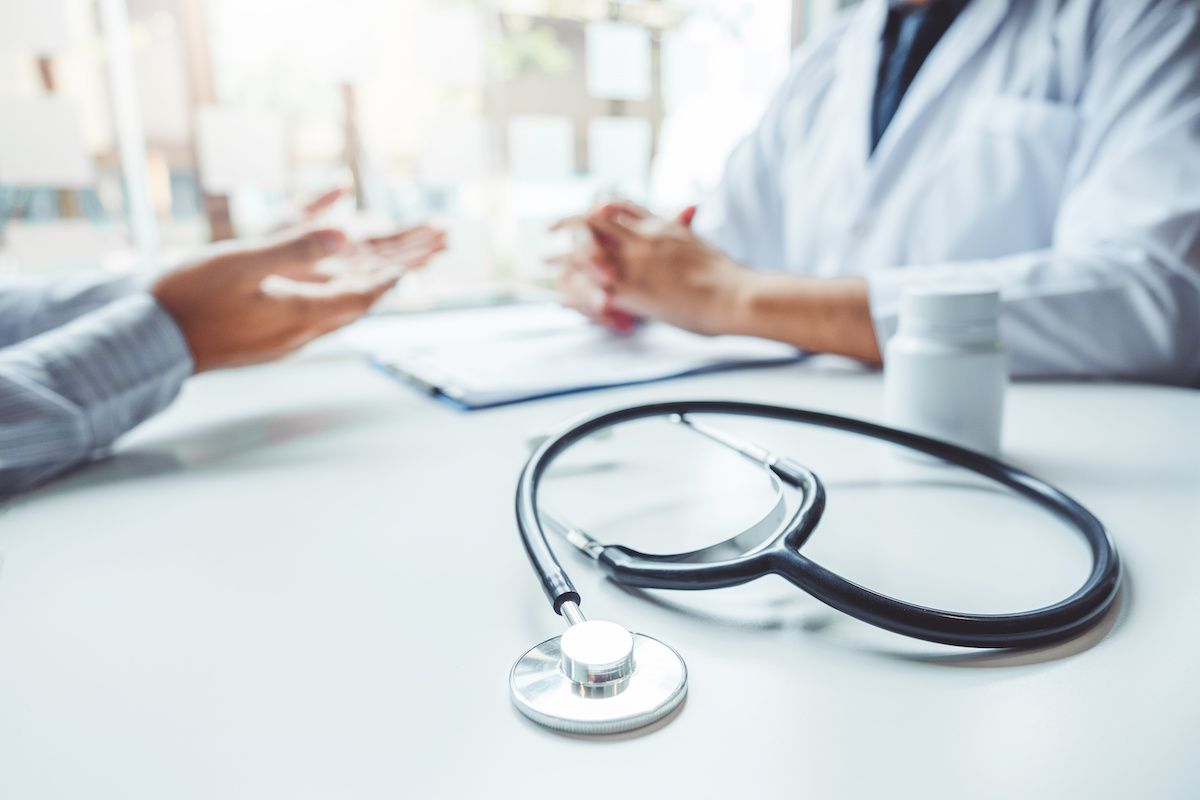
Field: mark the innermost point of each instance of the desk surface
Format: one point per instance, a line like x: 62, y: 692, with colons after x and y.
x: 246, y: 602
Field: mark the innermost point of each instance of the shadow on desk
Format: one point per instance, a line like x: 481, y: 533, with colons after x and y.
x: 822, y: 622
x: 206, y: 446
x: 1109, y: 622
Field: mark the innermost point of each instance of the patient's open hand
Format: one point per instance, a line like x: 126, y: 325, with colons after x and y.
x: 247, y: 305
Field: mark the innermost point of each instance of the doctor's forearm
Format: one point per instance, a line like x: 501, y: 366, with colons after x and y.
x: 820, y: 315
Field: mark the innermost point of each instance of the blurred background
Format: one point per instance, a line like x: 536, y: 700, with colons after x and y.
x: 133, y: 131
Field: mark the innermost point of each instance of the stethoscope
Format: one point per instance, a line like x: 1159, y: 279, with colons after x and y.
x: 598, y: 677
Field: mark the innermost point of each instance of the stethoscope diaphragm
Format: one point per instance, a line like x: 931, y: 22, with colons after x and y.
x: 598, y: 678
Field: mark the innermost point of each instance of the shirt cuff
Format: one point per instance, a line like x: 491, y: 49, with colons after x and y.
x: 119, y: 364
x: 884, y: 289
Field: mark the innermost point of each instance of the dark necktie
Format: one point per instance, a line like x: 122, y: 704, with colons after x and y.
x: 908, y: 39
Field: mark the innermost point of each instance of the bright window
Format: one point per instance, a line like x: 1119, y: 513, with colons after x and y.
x: 491, y: 117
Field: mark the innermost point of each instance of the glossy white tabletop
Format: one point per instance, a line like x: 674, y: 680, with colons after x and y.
x: 304, y: 581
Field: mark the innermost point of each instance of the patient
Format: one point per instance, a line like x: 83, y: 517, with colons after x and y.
x: 84, y: 362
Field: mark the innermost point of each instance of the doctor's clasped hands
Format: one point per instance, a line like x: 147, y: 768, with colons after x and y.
x: 634, y: 264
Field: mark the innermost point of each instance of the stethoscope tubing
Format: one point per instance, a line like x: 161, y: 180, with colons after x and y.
x: 1055, y: 622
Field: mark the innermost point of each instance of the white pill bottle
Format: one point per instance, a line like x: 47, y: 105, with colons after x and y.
x: 945, y: 370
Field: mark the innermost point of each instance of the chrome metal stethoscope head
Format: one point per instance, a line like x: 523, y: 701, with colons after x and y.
x: 597, y: 678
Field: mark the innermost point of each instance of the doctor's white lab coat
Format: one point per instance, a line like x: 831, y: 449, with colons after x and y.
x: 1049, y: 147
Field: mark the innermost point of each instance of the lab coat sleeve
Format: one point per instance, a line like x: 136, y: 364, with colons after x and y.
x: 68, y: 393
x: 29, y: 307
x: 743, y: 216
x: 1118, y: 293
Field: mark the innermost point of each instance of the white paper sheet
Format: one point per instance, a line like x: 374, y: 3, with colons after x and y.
x: 454, y: 150
x: 453, y: 46
x: 41, y: 143
x: 61, y: 245
x: 34, y: 26
x: 241, y: 149
x: 618, y: 61
x: 162, y: 83
x: 687, y: 66
x: 619, y: 149
x: 486, y: 357
x: 541, y: 148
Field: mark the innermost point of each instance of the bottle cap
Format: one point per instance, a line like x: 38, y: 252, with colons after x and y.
x: 950, y: 307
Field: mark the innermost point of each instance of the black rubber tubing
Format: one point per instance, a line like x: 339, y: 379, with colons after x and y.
x: 1058, y: 621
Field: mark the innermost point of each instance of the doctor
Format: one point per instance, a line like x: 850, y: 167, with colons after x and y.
x: 1049, y: 147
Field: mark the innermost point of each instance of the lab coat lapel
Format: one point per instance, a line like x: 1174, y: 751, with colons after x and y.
x: 856, y: 72
x: 967, y: 36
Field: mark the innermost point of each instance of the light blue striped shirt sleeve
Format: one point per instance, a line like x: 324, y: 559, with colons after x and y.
x: 29, y: 307
x: 67, y: 393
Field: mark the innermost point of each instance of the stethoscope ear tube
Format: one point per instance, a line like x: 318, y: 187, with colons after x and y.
x: 1055, y: 622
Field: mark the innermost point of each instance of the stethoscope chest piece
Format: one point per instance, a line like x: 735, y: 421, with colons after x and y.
x: 598, y: 678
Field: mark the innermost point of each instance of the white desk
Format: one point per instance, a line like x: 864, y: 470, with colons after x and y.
x: 247, y: 602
